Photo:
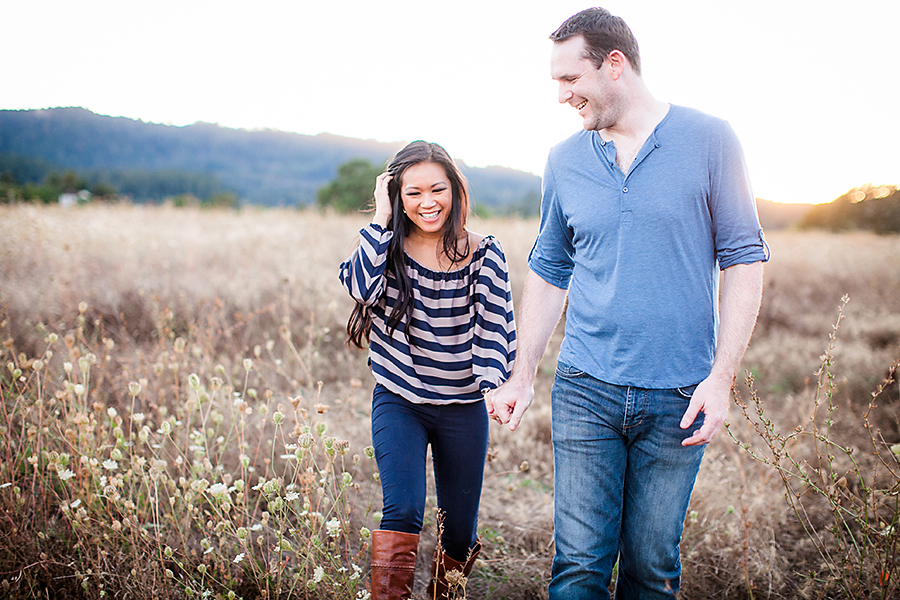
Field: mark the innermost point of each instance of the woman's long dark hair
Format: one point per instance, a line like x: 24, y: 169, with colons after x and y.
x: 359, y: 327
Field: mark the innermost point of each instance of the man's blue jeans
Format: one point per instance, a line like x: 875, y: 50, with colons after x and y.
x: 622, y: 486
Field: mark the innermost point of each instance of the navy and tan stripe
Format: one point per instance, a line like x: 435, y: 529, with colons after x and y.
x: 462, y: 336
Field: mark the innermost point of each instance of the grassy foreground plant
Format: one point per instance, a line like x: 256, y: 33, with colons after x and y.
x: 179, y: 481
x: 236, y: 285
x: 859, y: 545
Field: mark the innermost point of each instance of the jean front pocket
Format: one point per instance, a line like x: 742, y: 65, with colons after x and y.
x: 686, y: 392
x: 569, y: 372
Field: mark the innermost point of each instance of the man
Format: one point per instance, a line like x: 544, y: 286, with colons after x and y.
x: 640, y: 212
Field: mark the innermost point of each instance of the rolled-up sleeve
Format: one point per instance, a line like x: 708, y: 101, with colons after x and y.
x: 739, y: 238
x: 551, y: 256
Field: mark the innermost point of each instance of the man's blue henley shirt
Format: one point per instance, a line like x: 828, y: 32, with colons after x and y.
x: 640, y: 253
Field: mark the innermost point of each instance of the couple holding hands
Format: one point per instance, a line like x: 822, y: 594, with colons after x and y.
x: 640, y: 212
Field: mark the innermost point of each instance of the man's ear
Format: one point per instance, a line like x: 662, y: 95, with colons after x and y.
x: 617, y: 63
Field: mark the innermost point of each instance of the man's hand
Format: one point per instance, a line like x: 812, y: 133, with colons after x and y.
x: 712, y: 397
x: 508, y: 403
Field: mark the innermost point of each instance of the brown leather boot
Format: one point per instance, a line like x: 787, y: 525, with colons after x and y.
x: 393, y: 564
x: 439, y: 587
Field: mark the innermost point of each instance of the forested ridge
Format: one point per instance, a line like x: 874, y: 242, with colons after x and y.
x: 45, y: 152
x: 150, y: 160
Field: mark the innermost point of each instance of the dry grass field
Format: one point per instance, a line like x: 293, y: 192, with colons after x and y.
x: 182, y: 419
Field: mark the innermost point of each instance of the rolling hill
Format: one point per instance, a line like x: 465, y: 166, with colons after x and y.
x: 264, y: 167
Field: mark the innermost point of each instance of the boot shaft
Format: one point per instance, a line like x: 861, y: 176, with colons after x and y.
x: 393, y: 564
x: 441, y: 565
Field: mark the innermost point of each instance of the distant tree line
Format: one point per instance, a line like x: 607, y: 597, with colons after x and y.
x: 875, y: 208
x: 263, y: 167
x: 272, y: 168
x: 28, y: 179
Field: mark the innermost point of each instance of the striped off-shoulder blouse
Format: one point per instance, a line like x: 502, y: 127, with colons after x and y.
x: 463, y: 331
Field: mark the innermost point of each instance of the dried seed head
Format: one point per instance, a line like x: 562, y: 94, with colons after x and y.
x: 456, y: 579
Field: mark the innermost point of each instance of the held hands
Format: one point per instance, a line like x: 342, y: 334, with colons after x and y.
x: 383, y: 210
x: 507, y: 403
x: 711, y: 397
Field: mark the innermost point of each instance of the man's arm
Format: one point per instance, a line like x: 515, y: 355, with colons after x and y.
x: 741, y: 297
x: 539, y: 311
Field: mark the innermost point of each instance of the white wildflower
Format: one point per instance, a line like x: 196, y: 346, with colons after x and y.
x: 218, y: 490
x: 334, y: 528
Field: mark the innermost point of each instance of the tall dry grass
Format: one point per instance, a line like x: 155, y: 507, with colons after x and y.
x: 199, y: 349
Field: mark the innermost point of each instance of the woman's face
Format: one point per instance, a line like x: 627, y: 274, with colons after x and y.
x: 427, y: 198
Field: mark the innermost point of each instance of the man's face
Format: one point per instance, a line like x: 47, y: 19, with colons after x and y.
x: 583, y: 86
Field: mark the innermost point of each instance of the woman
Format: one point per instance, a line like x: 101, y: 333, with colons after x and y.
x: 434, y: 305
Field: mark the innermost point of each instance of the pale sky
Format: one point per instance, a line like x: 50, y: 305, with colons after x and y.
x: 812, y: 87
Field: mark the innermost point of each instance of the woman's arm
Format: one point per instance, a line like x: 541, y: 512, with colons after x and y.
x: 494, y: 340
x: 363, y: 273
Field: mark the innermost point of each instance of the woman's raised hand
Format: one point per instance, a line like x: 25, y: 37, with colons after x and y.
x: 382, y: 200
